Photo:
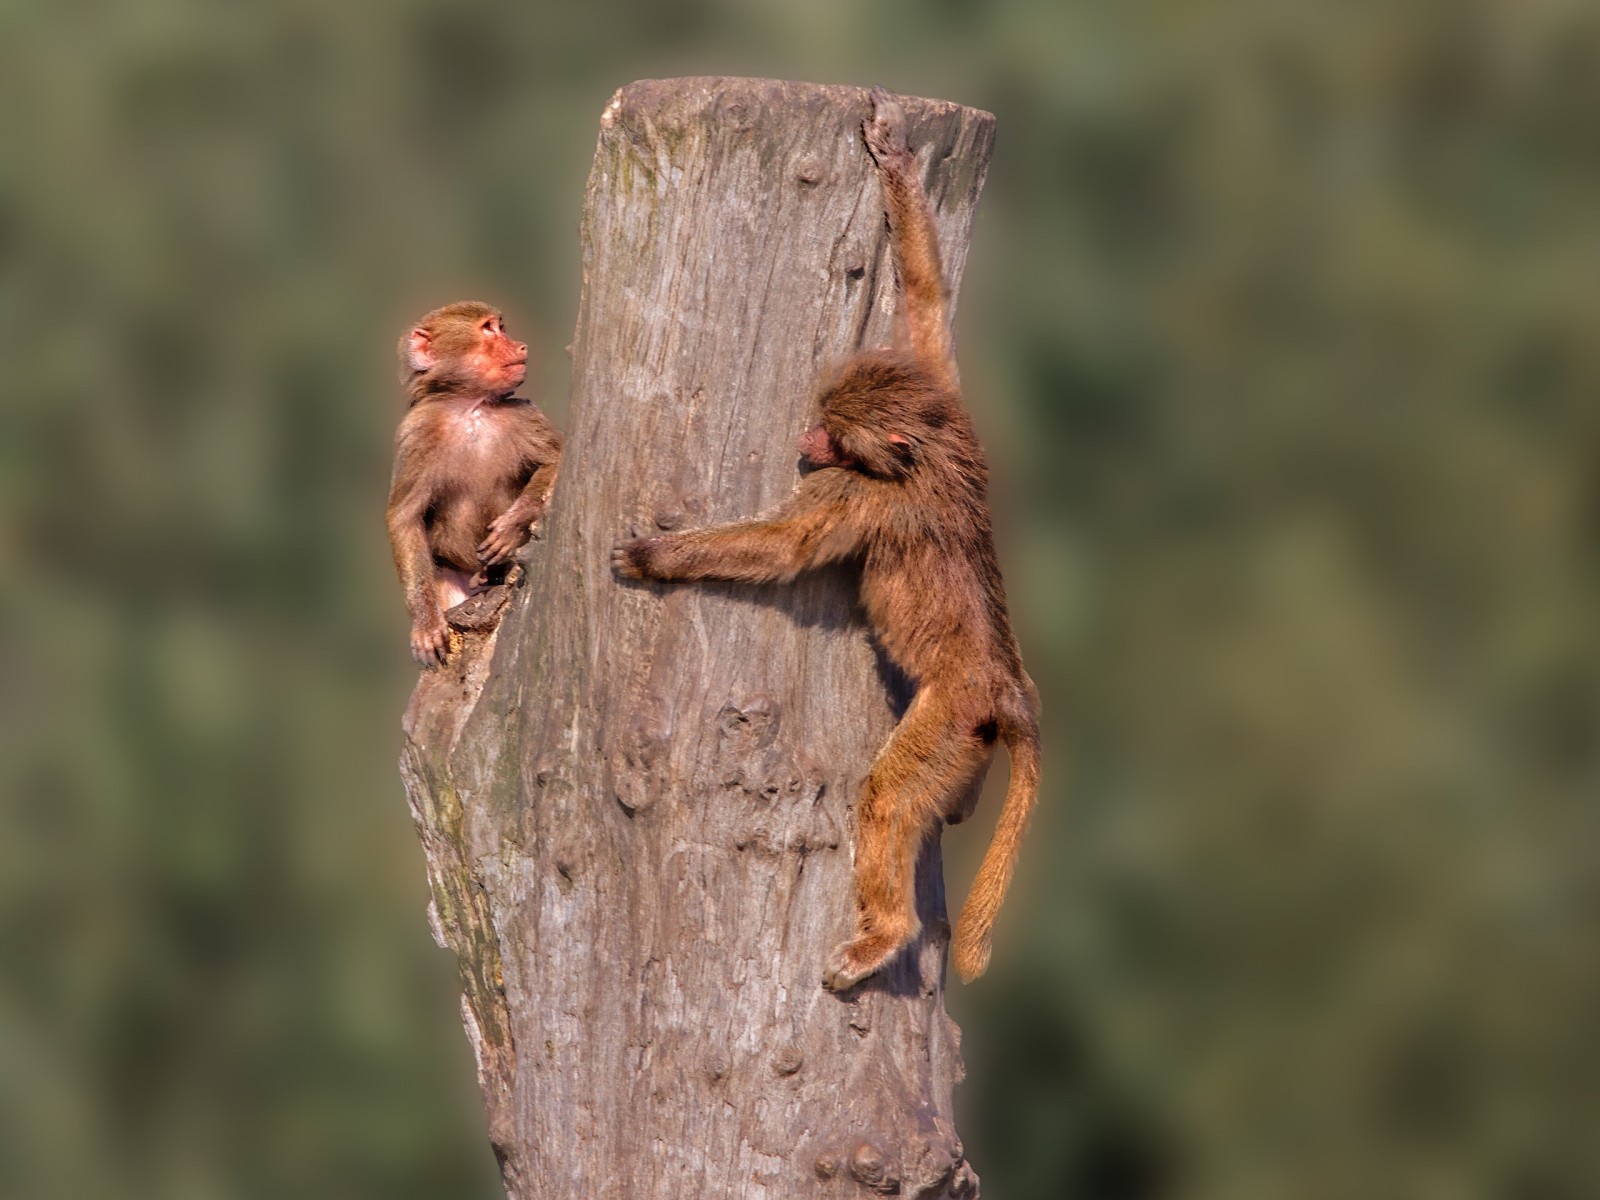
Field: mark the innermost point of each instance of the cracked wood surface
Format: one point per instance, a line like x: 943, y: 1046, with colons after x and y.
x: 636, y: 802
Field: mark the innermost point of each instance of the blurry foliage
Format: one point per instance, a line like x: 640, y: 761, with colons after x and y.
x: 1283, y: 322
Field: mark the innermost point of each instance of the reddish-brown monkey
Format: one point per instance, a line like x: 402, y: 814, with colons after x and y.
x: 473, y: 465
x: 901, y: 489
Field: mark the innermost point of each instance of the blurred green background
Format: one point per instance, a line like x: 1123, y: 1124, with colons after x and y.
x: 1283, y: 326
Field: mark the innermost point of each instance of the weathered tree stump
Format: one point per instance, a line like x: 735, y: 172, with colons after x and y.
x: 637, y: 802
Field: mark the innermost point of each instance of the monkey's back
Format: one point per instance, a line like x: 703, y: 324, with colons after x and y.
x: 930, y: 581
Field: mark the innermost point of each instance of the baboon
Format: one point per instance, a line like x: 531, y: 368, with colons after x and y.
x: 473, y: 466
x: 899, y: 488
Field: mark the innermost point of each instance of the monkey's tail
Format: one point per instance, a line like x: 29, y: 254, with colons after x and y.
x: 975, y: 929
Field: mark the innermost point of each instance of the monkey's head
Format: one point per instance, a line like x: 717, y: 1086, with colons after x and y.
x: 881, y: 416
x: 462, y: 347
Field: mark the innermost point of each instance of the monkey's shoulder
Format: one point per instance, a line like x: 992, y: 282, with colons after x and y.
x: 532, y: 428
x: 446, y: 421
x: 520, y: 408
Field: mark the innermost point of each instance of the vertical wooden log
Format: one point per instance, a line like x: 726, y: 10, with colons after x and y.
x: 637, y: 802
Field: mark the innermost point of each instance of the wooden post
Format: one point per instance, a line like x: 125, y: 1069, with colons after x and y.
x: 637, y: 802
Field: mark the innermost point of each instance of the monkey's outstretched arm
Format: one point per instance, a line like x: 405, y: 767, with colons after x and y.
x: 762, y: 551
x: 911, y: 232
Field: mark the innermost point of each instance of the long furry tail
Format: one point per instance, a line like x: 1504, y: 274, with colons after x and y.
x: 975, y: 929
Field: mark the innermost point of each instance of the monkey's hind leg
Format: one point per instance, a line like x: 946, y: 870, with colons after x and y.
x: 927, y: 759
x: 453, y: 585
x: 963, y: 802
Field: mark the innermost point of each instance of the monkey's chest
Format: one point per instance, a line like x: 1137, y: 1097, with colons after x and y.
x: 480, y: 461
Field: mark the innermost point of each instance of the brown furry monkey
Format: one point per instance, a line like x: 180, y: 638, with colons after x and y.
x: 901, y: 490
x: 473, y: 465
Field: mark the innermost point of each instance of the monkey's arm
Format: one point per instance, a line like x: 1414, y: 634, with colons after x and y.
x: 911, y: 233
x: 763, y: 551
x: 512, y: 528
x: 413, y: 561
x: 540, y: 446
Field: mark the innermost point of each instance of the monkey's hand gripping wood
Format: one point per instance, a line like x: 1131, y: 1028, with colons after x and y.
x: 638, y: 810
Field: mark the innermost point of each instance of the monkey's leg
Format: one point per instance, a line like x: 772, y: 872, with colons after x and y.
x: 964, y: 802
x: 454, y: 586
x: 928, y: 759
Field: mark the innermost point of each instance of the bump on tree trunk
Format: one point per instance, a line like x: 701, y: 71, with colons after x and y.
x: 637, y: 802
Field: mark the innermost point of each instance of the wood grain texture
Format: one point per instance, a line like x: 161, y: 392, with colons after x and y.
x: 636, y: 801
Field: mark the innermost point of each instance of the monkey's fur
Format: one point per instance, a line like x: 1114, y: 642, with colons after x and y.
x: 901, y: 489
x: 473, y: 465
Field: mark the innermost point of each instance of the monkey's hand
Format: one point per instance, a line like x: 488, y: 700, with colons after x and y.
x: 885, y: 130
x: 507, y: 533
x: 632, y: 560
x: 430, y: 640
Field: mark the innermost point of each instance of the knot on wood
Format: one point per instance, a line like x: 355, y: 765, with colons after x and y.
x: 783, y: 795
x: 783, y: 812
x: 934, y: 1160
x: 717, y: 1067
x: 861, y: 1014
x: 752, y: 727
x: 567, y: 857
x: 963, y: 1183
x: 788, y: 1060
x: 736, y: 114
x: 639, y: 766
x: 870, y: 1170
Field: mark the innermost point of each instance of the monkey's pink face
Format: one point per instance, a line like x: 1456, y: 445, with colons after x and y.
x: 819, y: 448
x: 501, y: 363
x: 881, y: 455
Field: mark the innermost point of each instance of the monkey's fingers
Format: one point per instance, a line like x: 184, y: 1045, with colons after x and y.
x: 627, y: 560
x: 430, y: 643
x: 885, y: 131
x: 494, y: 550
x: 498, y: 544
x: 508, y: 534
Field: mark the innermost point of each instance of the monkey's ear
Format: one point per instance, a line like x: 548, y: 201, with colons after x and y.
x: 419, y: 351
x: 901, y: 445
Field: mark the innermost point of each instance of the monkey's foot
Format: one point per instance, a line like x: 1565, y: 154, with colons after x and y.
x: 853, y: 961
x: 885, y: 130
